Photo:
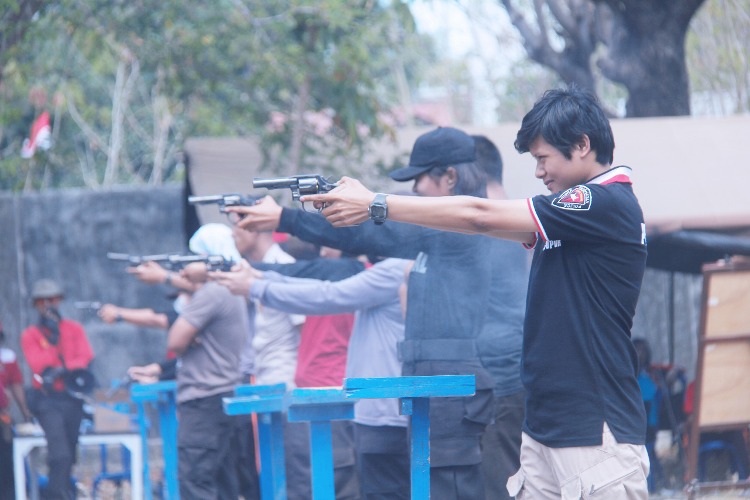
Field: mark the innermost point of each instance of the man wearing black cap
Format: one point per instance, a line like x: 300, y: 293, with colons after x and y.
x: 585, y: 424
x: 448, y: 288
x: 55, y: 347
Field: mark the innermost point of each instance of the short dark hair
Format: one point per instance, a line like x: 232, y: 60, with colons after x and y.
x: 470, y: 179
x: 562, y: 117
x: 488, y: 158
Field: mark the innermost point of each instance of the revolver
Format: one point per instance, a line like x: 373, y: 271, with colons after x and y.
x: 213, y: 262
x: 223, y: 200
x: 299, y: 184
x: 88, y: 305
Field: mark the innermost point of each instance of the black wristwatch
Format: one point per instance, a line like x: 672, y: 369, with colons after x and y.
x: 378, y: 209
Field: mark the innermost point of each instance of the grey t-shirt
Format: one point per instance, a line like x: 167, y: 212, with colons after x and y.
x: 210, y: 366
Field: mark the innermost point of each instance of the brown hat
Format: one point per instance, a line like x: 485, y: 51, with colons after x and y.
x: 46, y: 289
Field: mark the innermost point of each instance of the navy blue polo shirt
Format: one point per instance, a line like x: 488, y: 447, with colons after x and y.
x: 579, y: 366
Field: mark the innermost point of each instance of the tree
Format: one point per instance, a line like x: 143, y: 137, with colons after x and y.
x: 343, y: 65
x: 15, y: 20
x: 635, y: 43
x: 130, y: 81
x: 718, y: 52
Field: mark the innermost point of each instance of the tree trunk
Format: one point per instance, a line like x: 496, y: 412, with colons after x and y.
x: 647, y: 55
x: 644, y: 40
x: 163, y: 121
x: 298, y: 125
x: 120, y: 101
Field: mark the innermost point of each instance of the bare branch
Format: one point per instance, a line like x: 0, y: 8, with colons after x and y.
x: 87, y: 166
x: 120, y: 100
x: 91, y: 135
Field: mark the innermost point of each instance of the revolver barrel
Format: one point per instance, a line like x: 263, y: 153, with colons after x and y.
x: 275, y: 182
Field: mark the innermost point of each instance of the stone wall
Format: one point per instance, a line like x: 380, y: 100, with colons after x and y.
x: 65, y: 235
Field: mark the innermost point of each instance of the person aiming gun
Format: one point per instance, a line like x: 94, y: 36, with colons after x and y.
x: 448, y: 288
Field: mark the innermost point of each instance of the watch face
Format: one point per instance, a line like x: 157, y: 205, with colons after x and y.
x: 377, y: 211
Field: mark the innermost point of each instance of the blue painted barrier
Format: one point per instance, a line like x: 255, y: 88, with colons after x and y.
x: 320, y: 406
x: 415, y: 394
x: 267, y: 402
x: 162, y: 396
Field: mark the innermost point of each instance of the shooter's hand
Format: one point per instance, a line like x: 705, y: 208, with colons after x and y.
x: 109, y: 313
x: 265, y: 215
x: 149, y: 272
x: 347, y: 205
x: 148, y: 374
x: 195, y: 272
x: 238, y: 280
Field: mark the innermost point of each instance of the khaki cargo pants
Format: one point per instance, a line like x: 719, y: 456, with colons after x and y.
x: 612, y: 471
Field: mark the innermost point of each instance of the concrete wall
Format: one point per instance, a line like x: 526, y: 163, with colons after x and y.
x: 65, y: 235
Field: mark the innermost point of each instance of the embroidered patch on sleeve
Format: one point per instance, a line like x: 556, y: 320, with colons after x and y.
x: 575, y: 198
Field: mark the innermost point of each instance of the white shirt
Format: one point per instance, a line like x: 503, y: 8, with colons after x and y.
x: 277, y: 335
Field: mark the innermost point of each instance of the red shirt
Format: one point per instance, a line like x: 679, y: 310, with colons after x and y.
x: 73, y: 347
x: 10, y: 374
x: 321, y: 357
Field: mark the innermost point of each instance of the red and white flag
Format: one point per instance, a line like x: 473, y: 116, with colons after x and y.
x: 41, y: 136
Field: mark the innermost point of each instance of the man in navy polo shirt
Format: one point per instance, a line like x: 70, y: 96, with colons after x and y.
x: 585, y: 424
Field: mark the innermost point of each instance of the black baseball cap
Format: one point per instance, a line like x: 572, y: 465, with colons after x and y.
x: 441, y: 147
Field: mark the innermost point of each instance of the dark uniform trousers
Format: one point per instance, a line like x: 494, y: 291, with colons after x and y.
x: 456, y: 428
x: 501, y: 445
x: 59, y: 414
x: 383, y: 462
x: 204, y: 452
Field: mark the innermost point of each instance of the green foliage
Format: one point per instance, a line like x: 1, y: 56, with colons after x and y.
x: 126, y: 82
x: 718, y: 55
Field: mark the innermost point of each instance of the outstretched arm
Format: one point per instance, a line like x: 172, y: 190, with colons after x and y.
x: 152, y: 273
x: 110, y: 313
x: 373, y: 287
x: 510, y: 219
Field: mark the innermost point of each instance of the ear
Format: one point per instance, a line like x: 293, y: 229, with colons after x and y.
x: 583, y: 147
x: 451, y: 176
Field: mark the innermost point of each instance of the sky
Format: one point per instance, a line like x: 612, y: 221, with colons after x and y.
x: 446, y: 21
x: 455, y: 36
